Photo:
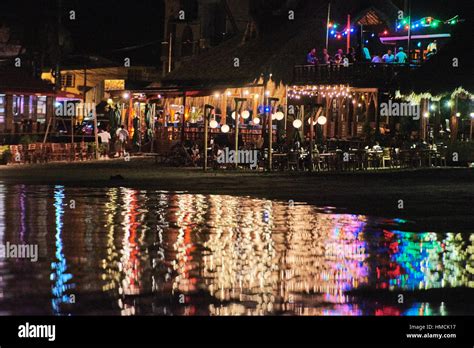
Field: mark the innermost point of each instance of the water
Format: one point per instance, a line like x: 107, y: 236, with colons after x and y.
x: 120, y: 251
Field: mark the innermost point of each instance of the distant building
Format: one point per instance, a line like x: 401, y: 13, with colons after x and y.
x: 194, y: 26
x: 97, y: 79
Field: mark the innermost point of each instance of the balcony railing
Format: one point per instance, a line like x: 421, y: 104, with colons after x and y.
x: 358, y: 74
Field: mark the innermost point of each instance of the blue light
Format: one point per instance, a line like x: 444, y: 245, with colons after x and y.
x: 419, y: 44
x: 366, y: 41
x: 399, y: 26
x: 267, y: 109
x: 352, y: 30
x: 332, y: 32
x: 373, y: 35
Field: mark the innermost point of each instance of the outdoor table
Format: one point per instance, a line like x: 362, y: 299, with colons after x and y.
x: 375, y: 156
x: 328, y: 159
x: 279, y: 160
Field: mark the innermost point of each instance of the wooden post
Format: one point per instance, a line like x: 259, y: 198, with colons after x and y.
x: 96, y: 135
x: 270, y: 136
x: 153, y: 113
x: 311, y: 137
x: 206, y: 130
x: 183, y: 118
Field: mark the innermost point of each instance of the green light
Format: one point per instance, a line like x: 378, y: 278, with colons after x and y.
x: 434, y: 24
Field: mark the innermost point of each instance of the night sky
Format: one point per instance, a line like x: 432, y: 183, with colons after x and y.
x: 102, y: 27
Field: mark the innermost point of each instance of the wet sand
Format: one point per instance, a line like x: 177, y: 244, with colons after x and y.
x: 436, y: 200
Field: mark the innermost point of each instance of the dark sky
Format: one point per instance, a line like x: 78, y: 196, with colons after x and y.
x: 104, y: 25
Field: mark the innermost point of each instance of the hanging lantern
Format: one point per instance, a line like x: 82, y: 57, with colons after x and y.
x: 322, y: 120
x: 233, y: 115
x: 256, y: 121
x: 213, y: 124
x: 297, y: 124
x: 245, y: 114
x: 279, y: 116
x: 225, y: 129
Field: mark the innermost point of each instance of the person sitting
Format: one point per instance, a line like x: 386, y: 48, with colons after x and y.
x: 325, y: 58
x: 377, y: 59
x: 401, y: 56
x: 388, y: 57
x: 311, y: 57
x: 377, y: 147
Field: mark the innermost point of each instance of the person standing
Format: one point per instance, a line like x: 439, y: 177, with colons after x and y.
x: 311, y: 57
x: 339, y: 56
x: 401, y: 56
x: 122, y: 137
x: 366, y: 54
x: 105, y: 138
x: 388, y: 57
x: 325, y: 58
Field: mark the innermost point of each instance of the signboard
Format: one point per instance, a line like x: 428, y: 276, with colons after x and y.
x: 114, y: 85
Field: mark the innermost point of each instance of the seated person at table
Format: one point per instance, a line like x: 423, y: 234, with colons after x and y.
x: 401, y: 56
x: 377, y: 147
x: 388, y: 57
x: 377, y: 59
x: 311, y: 57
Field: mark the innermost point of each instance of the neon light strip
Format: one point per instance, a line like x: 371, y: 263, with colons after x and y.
x: 414, y: 37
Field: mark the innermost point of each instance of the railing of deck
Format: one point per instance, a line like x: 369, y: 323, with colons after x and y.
x: 363, y: 74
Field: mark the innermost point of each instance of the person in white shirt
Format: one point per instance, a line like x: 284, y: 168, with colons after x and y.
x: 388, y: 57
x: 105, y: 141
x: 122, y: 137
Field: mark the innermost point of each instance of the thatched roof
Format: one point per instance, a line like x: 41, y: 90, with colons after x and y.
x: 438, y: 75
x: 277, y: 51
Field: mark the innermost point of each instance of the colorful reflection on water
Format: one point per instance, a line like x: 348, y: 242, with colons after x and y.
x: 121, y: 251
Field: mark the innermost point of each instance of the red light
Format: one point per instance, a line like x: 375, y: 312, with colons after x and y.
x: 339, y: 36
x: 385, y: 32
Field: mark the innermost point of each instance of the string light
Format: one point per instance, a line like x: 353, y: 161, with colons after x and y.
x: 427, y: 22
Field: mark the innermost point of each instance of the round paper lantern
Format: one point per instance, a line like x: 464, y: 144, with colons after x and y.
x: 225, y: 129
x: 322, y: 120
x: 245, y: 114
x: 297, y: 123
x: 279, y: 116
x: 256, y: 120
x: 213, y: 124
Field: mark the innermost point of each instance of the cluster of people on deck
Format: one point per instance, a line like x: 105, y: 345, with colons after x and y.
x: 389, y: 57
x: 312, y: 58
